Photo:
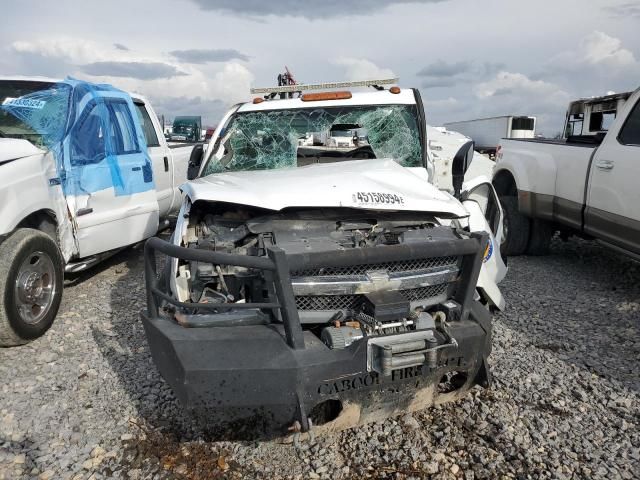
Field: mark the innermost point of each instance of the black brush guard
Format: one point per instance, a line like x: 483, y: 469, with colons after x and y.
x: 265, y: 376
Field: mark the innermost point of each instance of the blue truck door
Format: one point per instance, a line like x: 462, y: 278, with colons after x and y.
x: 111, y: 198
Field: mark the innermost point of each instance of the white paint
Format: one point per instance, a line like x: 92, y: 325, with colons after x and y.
x: 561, y: 170
x: 338, y: 184
x: 493, y: 270
x: 443, y: 146
x: 615, y: 189
x: 25, y: 189
x: 325, y: 185
x: 12, y: 148
x: 369, y: 97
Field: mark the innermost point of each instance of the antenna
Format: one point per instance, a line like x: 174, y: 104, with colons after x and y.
x: 286, y: 79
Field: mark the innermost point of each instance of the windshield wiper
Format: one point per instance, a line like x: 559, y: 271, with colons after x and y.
x: 2, y: 134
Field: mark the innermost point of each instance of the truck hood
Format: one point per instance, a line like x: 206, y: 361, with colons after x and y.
x: 379, y: 184
x: 14, y: 148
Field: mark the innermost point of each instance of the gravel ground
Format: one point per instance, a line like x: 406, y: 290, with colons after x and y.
x: 86, y: 401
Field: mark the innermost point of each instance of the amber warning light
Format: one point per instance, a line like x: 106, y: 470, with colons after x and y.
x: 320, y: 96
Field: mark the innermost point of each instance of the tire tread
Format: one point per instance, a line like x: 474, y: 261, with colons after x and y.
x: 519, y: 227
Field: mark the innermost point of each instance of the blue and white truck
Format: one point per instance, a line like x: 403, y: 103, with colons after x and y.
x: 84, y: 171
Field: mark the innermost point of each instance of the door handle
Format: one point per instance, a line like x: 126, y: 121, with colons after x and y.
x: 84, y: 211
x: 166, y: 164
x: 605, y: 164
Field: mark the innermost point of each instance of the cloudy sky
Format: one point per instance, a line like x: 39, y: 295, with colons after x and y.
x: 470, y: 58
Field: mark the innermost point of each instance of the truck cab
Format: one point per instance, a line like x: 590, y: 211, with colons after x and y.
x: 186, y: 129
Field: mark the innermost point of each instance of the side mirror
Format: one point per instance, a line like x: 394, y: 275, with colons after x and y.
x: 195, y: 160
x: 461, y: 163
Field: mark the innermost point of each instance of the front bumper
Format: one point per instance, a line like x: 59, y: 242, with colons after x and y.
x: 264, y: 377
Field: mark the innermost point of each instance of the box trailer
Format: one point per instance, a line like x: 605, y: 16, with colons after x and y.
x: 487, y: 132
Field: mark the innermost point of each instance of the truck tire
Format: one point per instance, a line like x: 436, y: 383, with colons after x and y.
x: 540, y: 235
x: 515, y: 236
x: 31, y: 282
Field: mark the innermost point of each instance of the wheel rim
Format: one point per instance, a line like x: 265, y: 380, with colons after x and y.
x: 35, y: 287
x: 505, y: 231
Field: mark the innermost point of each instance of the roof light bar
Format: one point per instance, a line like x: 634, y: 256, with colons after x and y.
x: 323, y: 86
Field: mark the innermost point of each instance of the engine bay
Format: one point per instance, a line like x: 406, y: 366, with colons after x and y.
x: 344, y: 303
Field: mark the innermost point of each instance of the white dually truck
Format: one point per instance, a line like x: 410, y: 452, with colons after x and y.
x: 84, y: 171
x: 487, y: 132
x: 585, y: 184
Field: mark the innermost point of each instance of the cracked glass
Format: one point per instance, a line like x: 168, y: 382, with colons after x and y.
x: 90, y: 129
x: 298, y: 137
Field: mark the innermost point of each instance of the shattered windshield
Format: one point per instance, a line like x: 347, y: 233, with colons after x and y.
x: 33, y: 110
x: 298, y: 137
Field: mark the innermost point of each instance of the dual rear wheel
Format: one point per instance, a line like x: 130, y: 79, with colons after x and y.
x: 521, y: 234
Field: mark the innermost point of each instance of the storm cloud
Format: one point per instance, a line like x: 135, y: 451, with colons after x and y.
x: 444, y: 69
x: 200, y: 56
x: 171, y: 107
x: 442, y: 74
x: 310, y: 9
x: 624, y: 10
x: 139, y: 70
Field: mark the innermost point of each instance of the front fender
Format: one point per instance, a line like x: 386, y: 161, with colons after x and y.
x: 493, y: 267
x: 490, y: 290
x: 29, y: 186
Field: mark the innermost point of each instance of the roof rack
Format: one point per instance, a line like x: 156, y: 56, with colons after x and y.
x: 323, y: 86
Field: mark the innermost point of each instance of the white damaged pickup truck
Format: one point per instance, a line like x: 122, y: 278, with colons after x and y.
x: 313, y: 283
x: 85, y: 170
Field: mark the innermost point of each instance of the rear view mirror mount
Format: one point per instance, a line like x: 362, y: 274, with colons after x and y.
x: 195, y: 161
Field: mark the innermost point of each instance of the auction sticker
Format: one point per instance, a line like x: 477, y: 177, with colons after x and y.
x: 24, y: 102
x: 377, y: 199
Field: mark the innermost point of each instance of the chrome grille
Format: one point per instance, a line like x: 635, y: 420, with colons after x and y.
x: 390, y: 267
x: 354, y: 302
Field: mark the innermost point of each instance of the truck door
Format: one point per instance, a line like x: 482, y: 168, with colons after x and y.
x: 612, y: 212
x: 160, y: 157
x: 109, y: 180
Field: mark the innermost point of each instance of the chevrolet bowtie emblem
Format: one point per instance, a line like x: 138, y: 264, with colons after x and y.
x: 377, y: 276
